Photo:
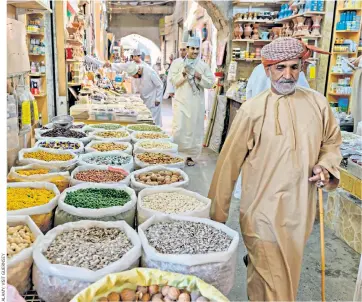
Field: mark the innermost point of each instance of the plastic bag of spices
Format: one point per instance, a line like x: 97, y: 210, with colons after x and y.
x: 73, y: 145
x: 61, y: 159
x: 98, y: 145
x: 59, y: 282
x: 97, y: 209
x: 215, y: 268
x: 35, y: 172
x: 42, y: 215
x: 146, y: 277
x: 19, y: 265
x: 139, y: 185
x: 194, y: 204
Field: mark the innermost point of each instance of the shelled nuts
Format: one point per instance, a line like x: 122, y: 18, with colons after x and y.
x: 18, y: 238
x: 156, y: 178
x: 100, y: 176
x: 150, y: 135
x: 158, y: 158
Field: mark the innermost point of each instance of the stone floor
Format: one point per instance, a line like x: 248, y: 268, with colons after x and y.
x: 341, y: 260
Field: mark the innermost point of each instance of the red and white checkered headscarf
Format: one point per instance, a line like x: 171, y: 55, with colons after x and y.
x: 284, y: 49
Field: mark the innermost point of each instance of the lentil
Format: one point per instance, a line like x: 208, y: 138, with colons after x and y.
x: 47, y: 156
x: 112, y: 134
x: 18, y: 238
x: 30, y: 172
x: 92, y: 248
x: 97, y: 198
x: 154, y: 178
x: 100, y: 176
x: 158, y: 158
x: 21, y: 198
x: 112, y: 160
x: 103, y: 147
x: 60, y: 132
x: 186, y: 237
x: 151, y: 135
x: 107, y: 126
x: 145, y: 128
x: 64, y: 145
x: 172, y: 202
x: 155, y: 145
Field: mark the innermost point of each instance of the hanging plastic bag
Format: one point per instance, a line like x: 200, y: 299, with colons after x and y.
x: 129, y: 166
x: 12, y: 295
x: 217, y: 269
x: 41, y: 215
x: 138, y: 186
x: 74, y: 181
x: 146, y: 277
x: 148, y: 135
x: 139, y: 148
x: 60, y: 179
x: 68, y: 213
x: 144, y: 213
x: 60, y: 283
x: 78, y: 150
x: 19, y: 266
x: 66, y: 165
x: 127, y: 145
x: 140, y: 164
x: 125, y: 136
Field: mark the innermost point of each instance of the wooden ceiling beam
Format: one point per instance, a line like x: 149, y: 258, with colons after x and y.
x: 149, y: 10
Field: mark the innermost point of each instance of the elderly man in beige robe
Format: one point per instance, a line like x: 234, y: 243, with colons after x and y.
x: 282, y: 139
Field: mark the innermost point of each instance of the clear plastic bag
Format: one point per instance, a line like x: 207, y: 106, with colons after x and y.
x: 145, y: 213
x: 80, y: 150
x: 12, y: 295
x: 90, y: 148
x: 140, y: 164
x: 19, y: 266
x: 68, y: 213
x: 217, y: 269
x: 60, y: 283
x: 139, y: 149
x: 128, y: 166
x: 138, y: 186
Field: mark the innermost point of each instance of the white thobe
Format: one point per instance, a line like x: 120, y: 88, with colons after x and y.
x: 258, y: 82
x: 169, y: 86
x: 120, y: 67
x: 189, y: 108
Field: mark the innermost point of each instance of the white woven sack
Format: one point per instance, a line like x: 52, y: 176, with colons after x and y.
x: 76, y: 151
x: 43, y: 209
x: 13, y: 174
x: 19, y: 266
x: 138, y: 186
x: 63, y: 165
x: 127, y: 138
x: 74, y: 182
x: 84, y: 140
x: 139, y: 149
x: 140, y: 164
x: 130, y: 130
x: 90, y: 148
x: 135, y: 139
x: 126, y: 212
x: 60, y: 283
x: 217, y: 269
x: 144, y: 213
x: 128, y: 167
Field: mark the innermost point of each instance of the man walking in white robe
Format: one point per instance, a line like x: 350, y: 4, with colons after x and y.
x: 190, y: 77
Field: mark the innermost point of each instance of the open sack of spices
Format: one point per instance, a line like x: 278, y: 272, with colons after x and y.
x: 146, y: 159
x: 143, y: 127
x: 73, y: 145
x: 36, y: 199
x: 116, y: 159
x: 158, y: 176
x: 143, y: 284
x: 106, y: 146
x: 113, y: 135
x: 35, y: 172
x: 165, y: 201
x: 74, y: 255
x: 103, y: 202
x: 191, y: 246
x: 104, y: 126
x: 61, y: 133
x: 22, y: 235
x: 60, y: 159
x: 99, y: 174
x: 155, y: 146
x: 141, y: 135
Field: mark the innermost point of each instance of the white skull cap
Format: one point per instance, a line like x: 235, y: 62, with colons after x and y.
x: 132, y: 69
x: 193, y: 42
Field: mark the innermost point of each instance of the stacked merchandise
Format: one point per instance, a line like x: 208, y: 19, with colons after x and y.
x: 87, y: 188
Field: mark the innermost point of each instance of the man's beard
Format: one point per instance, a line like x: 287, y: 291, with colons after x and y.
x: 284, y: 86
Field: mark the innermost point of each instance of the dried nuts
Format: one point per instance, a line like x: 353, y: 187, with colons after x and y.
x: 154, y: 144
x: 106, y: 126
x: 104, y: 147
x: 18, y: 238
x: 157, y: 178
x: 145, y: 128
x: 112, y: 134
x: 100, y: 176
x: 151, y: 135
x: 158, y: 158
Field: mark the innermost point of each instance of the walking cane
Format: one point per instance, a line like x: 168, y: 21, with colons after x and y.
x: 321, y: 220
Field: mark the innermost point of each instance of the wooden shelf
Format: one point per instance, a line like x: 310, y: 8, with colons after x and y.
x: 340, y: 74
x: 256, y: 3
x: 37, y: 74
x: 40, y: 95
x: 251, y: 40
x: 347, y: 31
x: 305, y: 14
x: 344, y: 9
x: 29, y: 4
x: 74, y: 84
x: 343, y: 53
x: 74, y: 42
x: 74, y: 61
x: 35, y: 54
x: 248, y: 60
x: 271, y: 22
x: 33, y: 33
x: 338, y: 94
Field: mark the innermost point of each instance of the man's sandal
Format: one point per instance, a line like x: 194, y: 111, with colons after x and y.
x: 190, y: 162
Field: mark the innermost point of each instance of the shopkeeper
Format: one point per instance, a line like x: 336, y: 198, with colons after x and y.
x: 282, y: 139
x: 151, y: 88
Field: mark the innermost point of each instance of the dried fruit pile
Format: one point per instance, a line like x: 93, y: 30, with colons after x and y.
x: 100, y: 176
x: 156, y: 178
x: 158, y: 158
x: 63, y: 145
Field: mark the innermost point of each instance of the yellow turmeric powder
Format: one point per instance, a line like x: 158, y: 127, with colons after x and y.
x: 21, y: 198
x: 29, y: 172
x: 47, y: 156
